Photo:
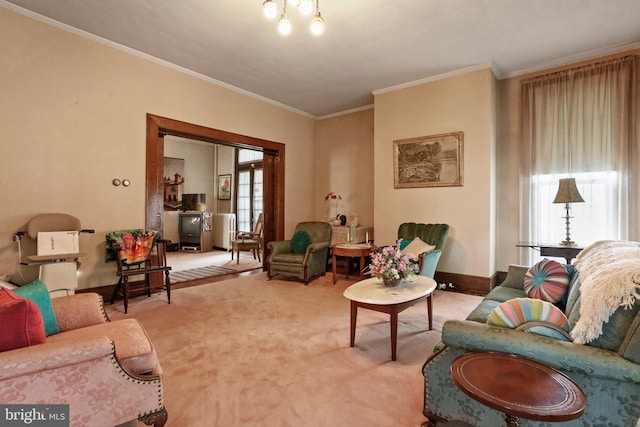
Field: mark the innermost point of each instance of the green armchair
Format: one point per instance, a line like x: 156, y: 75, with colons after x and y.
x: 304, y: 263
x: 433, y: 234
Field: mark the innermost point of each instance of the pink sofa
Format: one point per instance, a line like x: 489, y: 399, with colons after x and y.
x: 106, y: 371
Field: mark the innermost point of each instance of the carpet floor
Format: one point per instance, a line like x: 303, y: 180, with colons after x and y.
x: 252, y: 352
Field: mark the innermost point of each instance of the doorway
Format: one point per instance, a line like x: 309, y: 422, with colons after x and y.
x: 272, y: 169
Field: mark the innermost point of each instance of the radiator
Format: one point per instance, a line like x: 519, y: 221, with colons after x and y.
x: 224, y: 228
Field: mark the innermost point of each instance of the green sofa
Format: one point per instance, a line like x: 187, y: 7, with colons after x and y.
x: 434, y: 234
x: 607, y: 369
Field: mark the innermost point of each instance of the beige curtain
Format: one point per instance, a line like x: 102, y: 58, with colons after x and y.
x: 580, y: 120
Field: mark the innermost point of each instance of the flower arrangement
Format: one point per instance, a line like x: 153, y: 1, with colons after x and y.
x: 388, y: 264
x: 333, y: 196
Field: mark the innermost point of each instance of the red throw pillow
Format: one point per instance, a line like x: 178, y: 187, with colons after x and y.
x: 21, y: 320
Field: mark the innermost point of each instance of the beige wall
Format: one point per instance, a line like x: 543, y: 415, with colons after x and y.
x: 465, y: 103
x: 345, y: 165
x: 72, y: 114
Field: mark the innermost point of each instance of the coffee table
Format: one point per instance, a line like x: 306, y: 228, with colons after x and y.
x: 518, y: 387
x: 372, y: 294
x: 350, y: 251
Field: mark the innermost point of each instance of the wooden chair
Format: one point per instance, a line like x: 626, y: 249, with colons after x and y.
x: 133, y: 251
x: 249, y: 241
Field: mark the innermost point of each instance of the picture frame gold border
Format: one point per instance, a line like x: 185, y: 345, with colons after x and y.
x: 450, y: 140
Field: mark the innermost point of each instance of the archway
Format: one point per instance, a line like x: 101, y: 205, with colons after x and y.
x: 158, y: 127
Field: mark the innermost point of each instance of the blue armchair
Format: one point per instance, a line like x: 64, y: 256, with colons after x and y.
x: 433, y: 234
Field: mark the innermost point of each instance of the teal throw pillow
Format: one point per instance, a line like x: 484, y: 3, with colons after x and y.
x: 404, y: 243
x: 300, y: 241
x: 37, y: 292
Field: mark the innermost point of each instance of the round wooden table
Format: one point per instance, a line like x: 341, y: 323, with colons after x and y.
x: 518, y: 387
x: 372, y: 294
x: 360, y: 250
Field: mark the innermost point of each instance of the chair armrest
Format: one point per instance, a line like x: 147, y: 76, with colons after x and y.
x: 241, y: 235
x: 78, y: 311
x: 428, y: 262
x: 49, y: 356
x: 314, y: 248
x: 279, y: 246
x: 317, y: 246
x: 562, y: 355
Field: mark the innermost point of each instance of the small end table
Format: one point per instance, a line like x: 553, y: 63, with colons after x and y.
x: 566, y: 252
x: 518, y: 387
x: 361, y: 251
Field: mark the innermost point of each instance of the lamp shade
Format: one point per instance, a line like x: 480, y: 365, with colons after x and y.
x: 568, y: 192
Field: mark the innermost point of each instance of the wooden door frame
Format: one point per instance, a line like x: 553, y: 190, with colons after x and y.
x: 273, y: 163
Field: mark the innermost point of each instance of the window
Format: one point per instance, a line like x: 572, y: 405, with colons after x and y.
x: 249, y: 196
x: 595, y: 219
x: 579, y: 123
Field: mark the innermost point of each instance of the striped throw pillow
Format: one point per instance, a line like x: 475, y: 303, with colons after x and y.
x: 518, y: 311
x: 548, y: 280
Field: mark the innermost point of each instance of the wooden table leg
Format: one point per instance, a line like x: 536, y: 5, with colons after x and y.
x: 361, y: 266
x: 430, y: 312
x: 394, y: 334
x: 354, y: 317
x: 333, y: 267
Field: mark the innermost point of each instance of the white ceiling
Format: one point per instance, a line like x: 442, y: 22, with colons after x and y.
x: 367, y: 45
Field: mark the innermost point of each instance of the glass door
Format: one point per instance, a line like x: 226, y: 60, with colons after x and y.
x: 249, y: 196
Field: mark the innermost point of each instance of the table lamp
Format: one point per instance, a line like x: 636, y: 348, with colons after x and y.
x: 568, y: 193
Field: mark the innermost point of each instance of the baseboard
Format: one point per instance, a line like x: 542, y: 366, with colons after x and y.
x: 107, y: 291
x: 461, y: 282
x: 470, y: 284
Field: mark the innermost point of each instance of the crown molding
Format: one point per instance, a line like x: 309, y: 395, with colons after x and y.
x: 148, y: 57
x: 435, y: 78
x: 568, y: 60
x: 345, y: 112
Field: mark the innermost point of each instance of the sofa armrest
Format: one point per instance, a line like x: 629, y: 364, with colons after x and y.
x: 78, y: 311
x: 84, y: 374
x: 515, y: 276
x: 562, y: 355
x: 48, y: 356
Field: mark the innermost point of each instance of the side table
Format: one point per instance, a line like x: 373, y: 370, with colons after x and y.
x: 566, y: 252
x: 350, y: 251
x: 518, y: 387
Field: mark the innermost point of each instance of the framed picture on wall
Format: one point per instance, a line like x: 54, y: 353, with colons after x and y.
x: 428, y: 161
x: 224, y: 187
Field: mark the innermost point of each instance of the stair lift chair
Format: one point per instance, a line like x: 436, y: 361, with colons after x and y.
x: 58, y: 254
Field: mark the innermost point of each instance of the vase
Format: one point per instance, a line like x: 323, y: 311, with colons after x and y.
x: 391, y: 281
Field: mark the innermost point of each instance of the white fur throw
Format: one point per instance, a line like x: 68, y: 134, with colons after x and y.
x: 609, y: 279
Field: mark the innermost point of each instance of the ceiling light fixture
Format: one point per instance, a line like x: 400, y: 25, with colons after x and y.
x: 284, y: 26
x: 270, y: 9
x: 317, y: 23
x: 305, y: 7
